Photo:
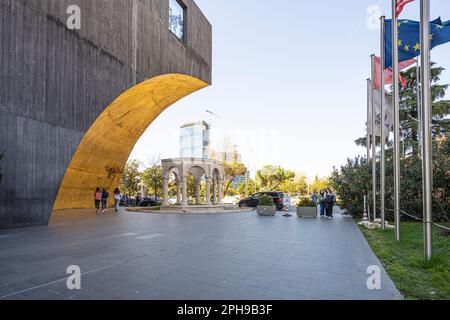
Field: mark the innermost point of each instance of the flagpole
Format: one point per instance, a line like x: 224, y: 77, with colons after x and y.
x: 374, y: 143
x: 426, y: 127
x: 419, y: 109
x: 396, y: 106
x: 368, y: 119
x: 369, y: 129
x: 383, y: 127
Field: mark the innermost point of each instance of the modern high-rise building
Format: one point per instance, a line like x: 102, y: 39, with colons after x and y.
x: 195, y: 140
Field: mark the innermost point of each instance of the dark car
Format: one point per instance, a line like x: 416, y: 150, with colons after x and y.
x: 252, y: 202
x: 150, y: 202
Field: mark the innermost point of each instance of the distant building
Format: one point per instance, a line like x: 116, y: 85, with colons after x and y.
x: 228, y: 157
x: 195, y: 140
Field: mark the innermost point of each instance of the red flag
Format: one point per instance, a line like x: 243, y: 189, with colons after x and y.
x: 388, y: 75
x: 401, y: 5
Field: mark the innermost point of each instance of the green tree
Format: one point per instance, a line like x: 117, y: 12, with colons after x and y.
x: 408, y: 107
x: 248, y: 188
x: 231, y: 171
x: 272, y: 177
x: 298, y: 185
x: 353, y: 181
x: 409, y: 112
x: 319, y: 184
x: 131, y: 177
x: 152, y: 177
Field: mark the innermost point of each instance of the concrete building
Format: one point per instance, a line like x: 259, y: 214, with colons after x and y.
x: 79, y: 85
x: 195, y: 140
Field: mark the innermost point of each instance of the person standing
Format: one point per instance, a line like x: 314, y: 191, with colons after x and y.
x: 330, y: 201
x: 105, y: 196
x: 98, y: 199
x: 138, y: 200
x: 315, y: 197
x: 117, y: 198
x: 321, y: 199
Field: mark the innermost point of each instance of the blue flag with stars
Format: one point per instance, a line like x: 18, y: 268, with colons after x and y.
x: 409, y: 38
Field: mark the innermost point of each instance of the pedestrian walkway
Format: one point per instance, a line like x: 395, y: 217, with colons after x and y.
x: 222, y: 256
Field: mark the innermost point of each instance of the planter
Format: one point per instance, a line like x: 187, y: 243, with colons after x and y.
x: 266, y: 211
x: 307, y: 212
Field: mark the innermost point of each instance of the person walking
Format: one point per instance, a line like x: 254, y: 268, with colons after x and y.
x: 105, y: 196
x: 321, y: 199
x: 98, y: 199
x: 117, y: 198
x: 330, y: 201
x: 138, y: 200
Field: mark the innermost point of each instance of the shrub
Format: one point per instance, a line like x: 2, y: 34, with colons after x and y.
x: 353, y: 181
x: 306, y: 203
x: 265, y: 201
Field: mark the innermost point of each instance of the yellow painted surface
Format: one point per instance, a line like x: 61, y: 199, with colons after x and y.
x: 102, y: 154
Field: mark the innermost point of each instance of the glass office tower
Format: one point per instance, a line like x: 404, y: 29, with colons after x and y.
x: 195, y: 140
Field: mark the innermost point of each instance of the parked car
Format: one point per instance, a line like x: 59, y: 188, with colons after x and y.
x: 252, y: 202
x: 231, y: 200
x: 173, y: 201
x: 127, y: 202
x: 150, y: 202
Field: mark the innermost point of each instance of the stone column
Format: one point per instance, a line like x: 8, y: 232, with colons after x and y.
x: 166, y: 192
x: 214, y: 191
x: 220, y: 202
x: 184, y: 191
x: 179, y: 192
x: 198, y: 190
x: 208, y: 191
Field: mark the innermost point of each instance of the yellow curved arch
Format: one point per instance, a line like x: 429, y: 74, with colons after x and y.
x: 104, y: 150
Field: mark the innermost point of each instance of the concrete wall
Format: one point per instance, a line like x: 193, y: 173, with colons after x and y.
x: 55, y: 83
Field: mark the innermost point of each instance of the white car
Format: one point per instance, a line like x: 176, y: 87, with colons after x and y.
x: 231, y: 200
x: 173, y: 201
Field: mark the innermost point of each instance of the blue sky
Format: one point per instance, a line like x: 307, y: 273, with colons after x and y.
x: 289, y: 81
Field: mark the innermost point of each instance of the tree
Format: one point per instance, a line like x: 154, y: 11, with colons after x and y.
x: 272, y: 177
x: 408, y: 108
x: 295, y: 186
x: 231, y: 171
x: 319, y: 184
x: 248, y: 188
x: 1, y: 173
x: 152, y: 177
x: 130, y: 177
x: 409, y: 112
x: 353, y: 181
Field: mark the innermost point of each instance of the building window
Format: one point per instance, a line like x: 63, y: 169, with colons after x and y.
x: 177, y: 12
x: 195, y: 140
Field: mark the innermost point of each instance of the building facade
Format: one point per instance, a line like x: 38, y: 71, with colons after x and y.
x: 195, y: 140
x: 80, y: 84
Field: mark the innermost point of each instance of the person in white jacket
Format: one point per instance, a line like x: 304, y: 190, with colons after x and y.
x: 117, y: 198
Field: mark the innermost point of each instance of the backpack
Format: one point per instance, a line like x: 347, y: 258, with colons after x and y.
x: 329, y: 200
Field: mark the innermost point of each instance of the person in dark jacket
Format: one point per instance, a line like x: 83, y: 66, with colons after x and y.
x: 330, y: 202
x: 105, y: 196
x: 321, y: 199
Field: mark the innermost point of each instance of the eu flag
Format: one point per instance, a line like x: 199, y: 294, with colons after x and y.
x: 409, y: 38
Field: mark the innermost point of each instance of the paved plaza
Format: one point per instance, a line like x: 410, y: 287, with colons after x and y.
x: 220, y: 256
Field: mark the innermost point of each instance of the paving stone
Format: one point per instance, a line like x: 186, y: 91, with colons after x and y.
x: 156, y: 256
